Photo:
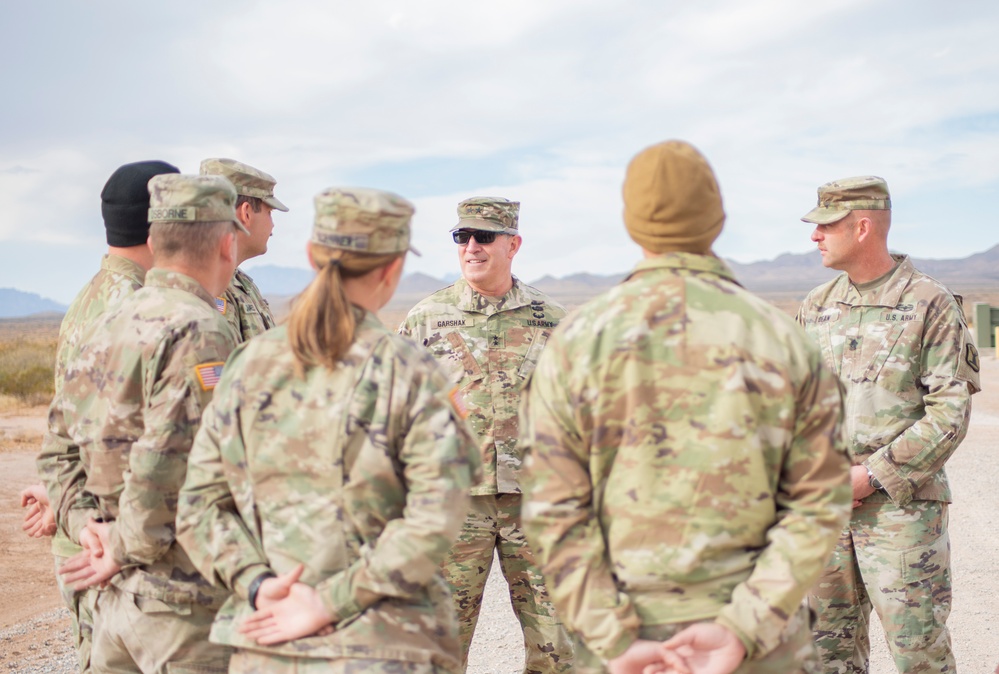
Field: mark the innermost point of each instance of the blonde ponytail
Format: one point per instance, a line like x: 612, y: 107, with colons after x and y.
x: 322, y: 322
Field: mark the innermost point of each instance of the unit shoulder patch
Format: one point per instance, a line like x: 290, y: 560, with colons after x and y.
x: 971, y: 356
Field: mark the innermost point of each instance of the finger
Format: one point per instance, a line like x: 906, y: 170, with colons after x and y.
x: 256, y: 619
x: 675, y: 662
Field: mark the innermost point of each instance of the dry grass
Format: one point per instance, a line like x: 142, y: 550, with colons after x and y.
x: 27, y: 361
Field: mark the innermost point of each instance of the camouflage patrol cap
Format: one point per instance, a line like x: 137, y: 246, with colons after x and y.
x: 491, y: 214
x: 839, y: 197
x: 248, y: 181
x: 363, y: 220
x: 176, y: 197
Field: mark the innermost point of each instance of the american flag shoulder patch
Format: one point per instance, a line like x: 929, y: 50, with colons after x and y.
x: 209, y: 374
x: 220, y: 304
x: 458, y: 403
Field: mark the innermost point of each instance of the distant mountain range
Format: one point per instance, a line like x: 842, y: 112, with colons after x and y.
x: 16, y: 303
x: 790, y: 274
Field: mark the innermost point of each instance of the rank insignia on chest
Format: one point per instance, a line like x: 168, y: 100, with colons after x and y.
x: 221, y: 304
x: 209, y: 374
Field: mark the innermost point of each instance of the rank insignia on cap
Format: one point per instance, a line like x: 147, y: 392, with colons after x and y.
x: 458, y: 403
x: 209, y: 374
x: 221, y: 304
x: 971, y: 357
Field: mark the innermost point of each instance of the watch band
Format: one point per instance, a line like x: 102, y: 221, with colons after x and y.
x: 871, y: 480
x: 255, y: 587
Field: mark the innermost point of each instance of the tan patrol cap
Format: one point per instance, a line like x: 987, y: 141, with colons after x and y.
x: 363, y: 220
x: 490, y: 214
x: 176, y: 197
x: 839, y: 197
x: 248, y: 181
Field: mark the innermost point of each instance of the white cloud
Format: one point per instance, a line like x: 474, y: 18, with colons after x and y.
x: 779, y: 95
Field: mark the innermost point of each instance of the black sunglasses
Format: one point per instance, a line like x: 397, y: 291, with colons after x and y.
x: 481, y: 237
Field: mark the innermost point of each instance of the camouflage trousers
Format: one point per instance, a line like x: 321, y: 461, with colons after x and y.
x: 896, y: 560
x: 139, y: 634
x: 494, y: 524
x: 81, y: 616
x: 795, y: 654
x: 253, y: 662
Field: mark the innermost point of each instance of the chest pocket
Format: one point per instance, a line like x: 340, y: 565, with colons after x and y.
x: 533, y: 354
x: 460, y: 350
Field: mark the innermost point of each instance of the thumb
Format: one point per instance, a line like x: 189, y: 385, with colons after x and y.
x: 290, y: 578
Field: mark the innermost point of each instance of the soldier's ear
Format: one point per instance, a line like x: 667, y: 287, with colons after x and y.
x: 515, y: 243
x: 862, y: 228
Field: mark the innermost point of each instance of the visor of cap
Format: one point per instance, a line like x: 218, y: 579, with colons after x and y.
x: 274, y: 203
x: 483, y: 225
x: 825, y: 215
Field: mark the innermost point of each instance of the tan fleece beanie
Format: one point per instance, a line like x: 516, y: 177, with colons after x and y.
x: 671, y: 200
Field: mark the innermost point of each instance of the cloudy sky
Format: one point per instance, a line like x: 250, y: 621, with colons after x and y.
x: 542, y: 101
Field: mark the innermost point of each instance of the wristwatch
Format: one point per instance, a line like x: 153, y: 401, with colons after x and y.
x: 873, y: 481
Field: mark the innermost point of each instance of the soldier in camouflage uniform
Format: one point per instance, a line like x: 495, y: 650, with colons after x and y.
x: 124, y: 206
x: 899, y: 343
x: 242, y: 304
x: 131, y: 402
x: 684, y: 475
x: 488, y: 330
x: 333, y: 456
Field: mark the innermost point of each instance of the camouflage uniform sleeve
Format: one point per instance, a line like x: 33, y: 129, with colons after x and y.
x: 558, y: 514
x: 949, y: 373
x: 210, y: 527
x: 174, y: 399
x: 62, y: 472
x: 814, y: 500
x: 437, y: 459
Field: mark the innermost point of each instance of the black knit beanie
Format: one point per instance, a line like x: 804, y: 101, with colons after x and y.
x: 125, y: 202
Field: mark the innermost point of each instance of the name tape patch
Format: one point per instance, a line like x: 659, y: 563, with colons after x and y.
x: 187, y: 213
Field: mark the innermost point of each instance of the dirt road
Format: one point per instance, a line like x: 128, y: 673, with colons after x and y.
x: 34, y: 634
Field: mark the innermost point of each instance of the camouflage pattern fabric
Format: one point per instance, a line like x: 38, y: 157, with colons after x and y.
x: 902, y: 349
x: 81, y: 615
x: 494, y: 523
x: 489, y: 348
x: 909, y: 365
x: 361, y: 473
x: 149, y: 371
x: 683, y: 460
x: 251, y: 662
x: 131, y: 402
x: 906, y: 553
x: 61, y: 472
x: 140, y: 634
x: 245, y: 308
x: 794, y: 654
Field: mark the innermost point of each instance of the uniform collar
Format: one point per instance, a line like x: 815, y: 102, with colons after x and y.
x: 163, y: 278
x: 470, y: 300
x: 889, y: 294
x: 706, y: 264
x: 122, y: 265
x: 240, y: 279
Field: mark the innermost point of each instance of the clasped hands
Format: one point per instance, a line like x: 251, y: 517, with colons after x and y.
x: 702, y: 648
x: 92, y: 567
x: 39, y: 520
x: 287, y: 610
